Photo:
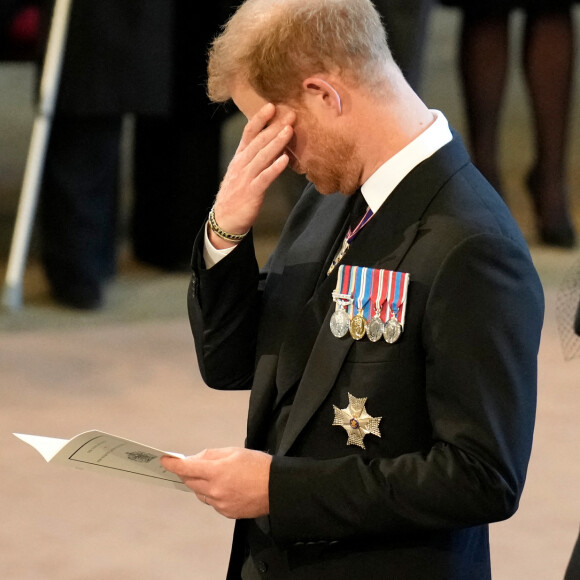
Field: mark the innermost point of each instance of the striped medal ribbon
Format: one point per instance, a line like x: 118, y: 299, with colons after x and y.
x: 369, y: 302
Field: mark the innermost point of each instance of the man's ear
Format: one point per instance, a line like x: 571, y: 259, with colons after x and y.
x: 317, y: 87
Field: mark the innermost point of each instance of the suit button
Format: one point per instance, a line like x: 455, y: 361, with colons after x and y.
x: 262, y: 566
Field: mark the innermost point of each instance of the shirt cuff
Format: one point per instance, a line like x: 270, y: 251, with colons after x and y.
x: 212, y: 255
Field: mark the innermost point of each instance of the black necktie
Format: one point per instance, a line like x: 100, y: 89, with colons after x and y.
x: 358, y: 209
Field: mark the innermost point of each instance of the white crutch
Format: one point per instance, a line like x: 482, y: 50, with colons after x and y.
x: 12, y: 293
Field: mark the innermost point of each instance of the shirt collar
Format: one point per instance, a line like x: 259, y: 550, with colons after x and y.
x: 377, y: 188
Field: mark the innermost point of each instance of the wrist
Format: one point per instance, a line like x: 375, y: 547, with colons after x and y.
x: 217, y: 242
x: 216, y: 231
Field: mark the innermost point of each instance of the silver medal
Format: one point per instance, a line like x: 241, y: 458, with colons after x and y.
x: 375, y: 328
x: 392, y: 330
x: 339, y: 323
x: 340, y: 319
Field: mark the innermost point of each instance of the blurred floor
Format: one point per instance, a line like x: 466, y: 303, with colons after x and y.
x: 130, y: 369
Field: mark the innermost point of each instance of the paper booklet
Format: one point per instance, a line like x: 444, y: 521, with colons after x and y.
x: 105, y: 453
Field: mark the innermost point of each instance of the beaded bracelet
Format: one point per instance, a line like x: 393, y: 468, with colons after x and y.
x: 221, y: 233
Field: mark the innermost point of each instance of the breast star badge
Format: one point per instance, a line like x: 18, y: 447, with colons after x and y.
x: 356, y: 421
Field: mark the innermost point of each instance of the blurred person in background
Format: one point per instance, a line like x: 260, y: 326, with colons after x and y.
x: 19, y: 29
x: 117, y: 60
x: 177, y: 163
x: 548, y: 64
x: 145, y: 58
x: 407, y: 26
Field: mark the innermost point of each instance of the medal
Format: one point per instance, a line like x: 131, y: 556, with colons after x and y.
x: 340, y: 320
x: 343, y: 296
x: 396, y: 303
x: 355, y: 420
x: 376, y: 325
x: 339, y: 323
x: 375, y: 328
x: 392, y: 330
x: 358, y: 324
x: 369, y: 302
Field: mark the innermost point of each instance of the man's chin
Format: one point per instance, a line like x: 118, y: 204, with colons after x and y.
x: 321, y: 188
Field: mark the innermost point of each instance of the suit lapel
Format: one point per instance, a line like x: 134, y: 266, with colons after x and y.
x: 293, y: 273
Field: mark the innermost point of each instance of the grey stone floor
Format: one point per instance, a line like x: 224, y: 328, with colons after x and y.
x: 130, y: 369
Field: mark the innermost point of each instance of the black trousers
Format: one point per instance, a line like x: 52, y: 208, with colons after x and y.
x: 176, y: 174
x: 79, y: 201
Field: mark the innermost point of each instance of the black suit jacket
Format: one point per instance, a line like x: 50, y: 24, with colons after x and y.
x: 456, y: 393
x: 117, y: 57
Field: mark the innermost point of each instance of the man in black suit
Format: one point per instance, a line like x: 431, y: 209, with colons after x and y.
x: 117, y: 60
x: 573, y: 567
x: 390, y: 342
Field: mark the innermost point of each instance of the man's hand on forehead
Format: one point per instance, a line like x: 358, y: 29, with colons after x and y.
x: 259, y: 160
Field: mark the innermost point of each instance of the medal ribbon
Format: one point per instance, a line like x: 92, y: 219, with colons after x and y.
x: 352, y: 288
x: 370, y: 289
x: 360, y: 287
x: 344, y: 277
x: 349, y: 237
x: 397, y: 296
x: 373, y: 293
x: 380, y: 294
x: 367, y: 304
x: 352, y: 233
x: 340, y: 295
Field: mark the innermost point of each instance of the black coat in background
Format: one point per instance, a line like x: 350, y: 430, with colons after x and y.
x: 117, y: 59
x: 177, y: 157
